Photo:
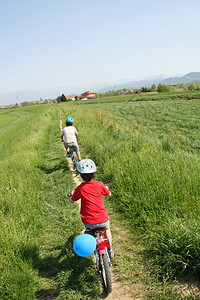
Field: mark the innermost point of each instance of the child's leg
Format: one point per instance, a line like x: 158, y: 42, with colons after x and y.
x: 79, y: 155
x: 66, y: 148
x: 109, y: 236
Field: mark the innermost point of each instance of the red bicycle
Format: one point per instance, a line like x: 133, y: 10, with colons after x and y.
x: 102, y: 257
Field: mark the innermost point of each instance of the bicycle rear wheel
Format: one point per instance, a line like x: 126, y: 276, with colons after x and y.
x: 76, y: 161
x: 105, y: 273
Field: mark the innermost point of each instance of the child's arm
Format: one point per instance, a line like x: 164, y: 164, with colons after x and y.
x: 75, y: 195
x: 108, y: 195
x: 76, y: 132
x: 70, y: 199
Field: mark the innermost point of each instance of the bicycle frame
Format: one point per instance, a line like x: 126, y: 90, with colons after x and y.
x: 102, y: 244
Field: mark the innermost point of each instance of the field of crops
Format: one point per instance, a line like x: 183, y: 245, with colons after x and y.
x: 148, y: 153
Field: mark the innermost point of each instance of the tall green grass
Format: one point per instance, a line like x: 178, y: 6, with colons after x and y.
x: 37, y: 223
x: 149, y: 154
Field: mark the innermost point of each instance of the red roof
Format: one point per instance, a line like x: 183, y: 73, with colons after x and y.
x: 88, y: 94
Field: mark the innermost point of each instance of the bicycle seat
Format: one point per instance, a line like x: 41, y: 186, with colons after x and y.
x: 92, y: 231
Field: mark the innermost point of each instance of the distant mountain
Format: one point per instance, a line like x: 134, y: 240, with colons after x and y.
x: 188, y: 78
x: 28, y: 95
x: 21, y: 96
x: 131, y: 85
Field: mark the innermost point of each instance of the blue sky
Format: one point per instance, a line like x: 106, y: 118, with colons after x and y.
x: 51, y: 43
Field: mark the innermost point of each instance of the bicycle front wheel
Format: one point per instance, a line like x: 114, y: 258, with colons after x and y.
x: 105, y: 273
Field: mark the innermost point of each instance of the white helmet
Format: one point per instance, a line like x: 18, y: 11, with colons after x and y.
x: 86, y: 166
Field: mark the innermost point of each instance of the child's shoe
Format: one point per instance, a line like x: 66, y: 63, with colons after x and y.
x: 111, y: 253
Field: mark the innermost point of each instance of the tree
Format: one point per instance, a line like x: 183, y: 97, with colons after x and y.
x: 194, y: 86
x: 144, y: 89
x: 162, y: 88
x: 63, y: 98
x: 153, y: 87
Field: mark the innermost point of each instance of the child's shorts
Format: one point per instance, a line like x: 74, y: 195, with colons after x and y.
x: 72, y: 146
x: 98, y: 225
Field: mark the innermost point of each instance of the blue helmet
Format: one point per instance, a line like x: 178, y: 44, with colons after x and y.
x: 69, y: 120
x: 86, y: 166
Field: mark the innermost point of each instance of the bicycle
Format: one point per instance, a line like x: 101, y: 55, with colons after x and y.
x: 74, y: 158
x: 102, y: 257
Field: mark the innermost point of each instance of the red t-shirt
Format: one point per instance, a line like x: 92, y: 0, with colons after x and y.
x: 92, y: 206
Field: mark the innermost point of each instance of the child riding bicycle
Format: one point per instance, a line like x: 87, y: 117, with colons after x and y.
x: 69, y: 136
x: 93, y: 213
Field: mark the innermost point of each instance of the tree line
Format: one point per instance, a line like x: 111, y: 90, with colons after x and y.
x: 160, y: 88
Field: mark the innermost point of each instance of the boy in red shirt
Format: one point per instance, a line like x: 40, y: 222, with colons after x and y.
x: 93, y: 212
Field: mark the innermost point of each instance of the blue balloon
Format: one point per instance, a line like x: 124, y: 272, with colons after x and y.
x: 84, y: 244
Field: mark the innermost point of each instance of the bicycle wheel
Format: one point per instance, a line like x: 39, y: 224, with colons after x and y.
x: 105, y: 273
x: 97, y: 261
x: 75, y: 161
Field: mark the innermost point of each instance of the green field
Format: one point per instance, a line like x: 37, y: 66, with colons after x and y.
x: 148, y: 153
